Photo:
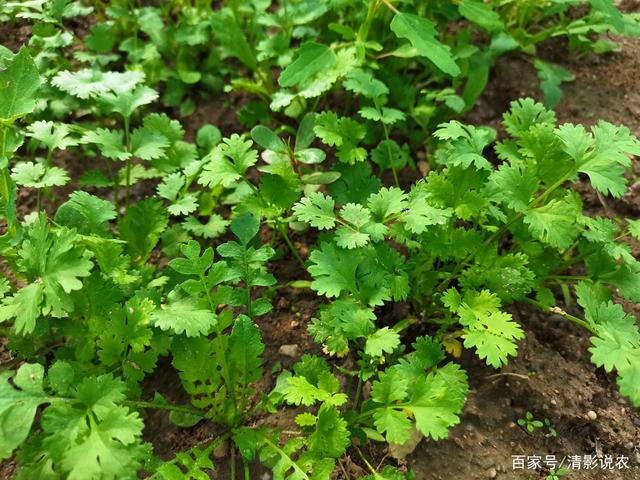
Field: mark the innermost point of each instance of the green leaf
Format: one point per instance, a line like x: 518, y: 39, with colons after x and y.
x: 86, y: 213
x: 420, y: 215
x: 551, y: 78
x: 147, y: 144
x: 313, y: 383
x: 183, y: 316
x: 331, y: 436
x: 317, y: 210
x: 19, y: 83
x: 215, y: 226
x: 228, y: 162
x: 245, y: 352
x: 232, y: 37
x: 110, y: 142
x: 194, y: 463
x: 185, y: 205
x: 95, y: 83
x: 617, y: 346
x: 36, y: 175
x: 481, y: 14
x: 127, y: 102
x: 265, y: 137
x: 141, y: 227
x: 52, y: 134
x: 342, y: 132
x: 434, y: 400
x: 491, y: 331
x: 382, y: 341
x: 333, y: 270
x: 364, y: 83
x: 555, y: 222
x: 513, y: 185
x: 54, y: 264
x: 93, y: 436
x: 422, y: 33
x: 19, y: 401
x: 525, y: 113
x: 386, y: 115
x: 311, y: 58
x: 245, y: 227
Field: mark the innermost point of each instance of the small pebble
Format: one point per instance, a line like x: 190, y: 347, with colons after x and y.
x: 591, y: 415
x: 289, y: 350
x: 553, y: 402
x: 628, y: 445
x: 492, y: 473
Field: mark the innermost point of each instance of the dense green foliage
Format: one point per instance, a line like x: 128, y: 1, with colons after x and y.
x: 143, y: 241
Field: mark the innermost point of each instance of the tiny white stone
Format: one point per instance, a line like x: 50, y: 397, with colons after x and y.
x: 289, y: 350
x: 591, y: 415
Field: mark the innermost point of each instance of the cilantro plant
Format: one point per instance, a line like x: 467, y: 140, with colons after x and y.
x: 135, y: 247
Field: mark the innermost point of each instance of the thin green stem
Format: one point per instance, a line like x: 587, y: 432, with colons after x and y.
x: 5, y: 179
x: 445, y: 283
x: 363, y: 32
x: 128, y: 162
x: 207, y: 292
x: 562, y: 313
x: 393, y: 168
x: 247, y: 473
x: 285, y: 235
x: 369, y: 466
x: 356, y: 398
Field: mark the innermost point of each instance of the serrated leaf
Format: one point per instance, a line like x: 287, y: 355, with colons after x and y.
x: 110, y: 142
x: 147, y: 144
x: 86, y: 213
x: 36, y: 175
x: 317, y: 210
x: 183, y: 316
x: 555, y: 222
x: 382, y: 341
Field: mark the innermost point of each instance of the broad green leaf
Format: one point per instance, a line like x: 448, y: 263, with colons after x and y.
x: 422, y: 33
x: 311, y: 58
x: 265, y: 137
x: 19, y: 401
x: 245, y: 352
x: 481, y: 14
x: 19, y: 83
